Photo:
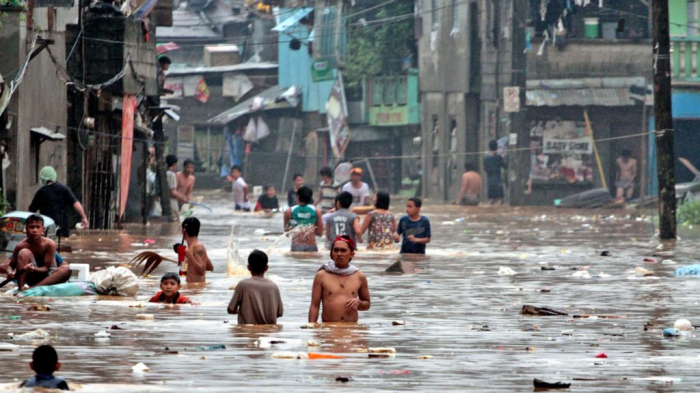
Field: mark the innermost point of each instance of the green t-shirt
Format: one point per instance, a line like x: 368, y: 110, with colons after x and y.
x: 303, y: 216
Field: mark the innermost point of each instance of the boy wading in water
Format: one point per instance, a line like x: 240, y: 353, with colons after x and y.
x: 414, y: 228
x: 34, y: 258
x: 307, y: 218
x: 45, y: 363
x: 170, y: 291
x: 256, y: 300
x: 198, y: 263
x: 339, y: 287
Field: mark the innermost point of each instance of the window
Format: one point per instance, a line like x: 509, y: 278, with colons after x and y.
x: 377, y: 92
x: 492, y: 22
x: 389, y: 91
x: 402, y: 90
x: 434, y: 13
x: 453, y: 136
x: 436, y: 134
x: 455, y: 15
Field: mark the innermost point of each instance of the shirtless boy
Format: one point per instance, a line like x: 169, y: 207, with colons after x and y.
x: 185, y: 180
x: 626, y: 173
x: 34, y: 258
x: 339, y: 286
x: 198, y: 263
x: 471, y: 187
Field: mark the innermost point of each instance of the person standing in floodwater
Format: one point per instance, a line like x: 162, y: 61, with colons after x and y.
x: 381, y: 224
x: 55, y: 200
x: 626, y: 174
x: 339, y: 287
x: 198, y: 263
x: 493, y: 162
x: 342, y: 221
x: 185, y: 181
x: 470, y: 191
x: 307, y: 218
x: 414, y: 228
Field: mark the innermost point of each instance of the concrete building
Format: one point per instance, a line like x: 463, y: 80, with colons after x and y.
x: 448, y: 62
x: 119, y: 61
x: 33, y: 127
x: 575, y: 61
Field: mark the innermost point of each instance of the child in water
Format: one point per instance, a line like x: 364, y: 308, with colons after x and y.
x: 45, y: 363
x: 256, y: 300
x: 169, y: 291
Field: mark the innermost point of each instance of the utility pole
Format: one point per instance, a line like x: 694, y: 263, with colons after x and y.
x: 664, y: 121
x: 519, y: 160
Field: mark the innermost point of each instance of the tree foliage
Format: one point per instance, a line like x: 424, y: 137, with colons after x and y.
x: 380, y: 47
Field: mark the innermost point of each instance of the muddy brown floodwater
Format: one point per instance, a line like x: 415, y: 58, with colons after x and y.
x: 456, y: 309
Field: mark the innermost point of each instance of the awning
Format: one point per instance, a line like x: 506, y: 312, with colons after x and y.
x: 46, y: 134
x: 184, y: 70
x: 278, y: 97
x: 293, y: 20
x: 611, y: 92
x: 366, y: 134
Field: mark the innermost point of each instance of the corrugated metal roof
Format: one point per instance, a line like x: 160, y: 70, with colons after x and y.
x: 191, y: 24
x: 582, y: 92
x: 175, y: 71
x: 186, y: 24
x: 268, y: 99
x: 293, y: 20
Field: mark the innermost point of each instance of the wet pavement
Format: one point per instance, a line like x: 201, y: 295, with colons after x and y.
x: 455, y: 305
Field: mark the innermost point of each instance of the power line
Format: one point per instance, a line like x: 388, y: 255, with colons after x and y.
x: 450, y: 154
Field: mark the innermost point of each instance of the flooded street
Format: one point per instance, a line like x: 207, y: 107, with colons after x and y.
x: 455, y: 305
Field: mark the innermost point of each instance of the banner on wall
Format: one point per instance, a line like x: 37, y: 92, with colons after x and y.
x: 128, y: 110
x: 561, y: 146
x: 337, y: 118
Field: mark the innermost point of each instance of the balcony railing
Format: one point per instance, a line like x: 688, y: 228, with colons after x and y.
x: 685, y: 58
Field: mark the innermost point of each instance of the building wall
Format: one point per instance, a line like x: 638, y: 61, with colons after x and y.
x: 606, y: 122
x: 295, y: 69
x: 589, y: 59
x: 496, y: 47
x: 445, y: 46
x: 40, y: 101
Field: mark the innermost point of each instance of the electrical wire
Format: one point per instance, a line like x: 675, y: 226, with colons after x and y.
x: 450, y: 154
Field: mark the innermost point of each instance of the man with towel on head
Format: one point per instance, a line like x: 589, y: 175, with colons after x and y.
x: 56, y: 201
x: 339, y: 286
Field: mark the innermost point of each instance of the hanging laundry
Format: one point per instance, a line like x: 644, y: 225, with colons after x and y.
x: 263, y: 131
x: 251, y: 131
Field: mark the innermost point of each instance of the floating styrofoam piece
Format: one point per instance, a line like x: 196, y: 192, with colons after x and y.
x: 506, y: 271
x: 268, y: 342
x: 35, y: 335
x: 382, y: 350
x: 289, y: 355
x: 683, y: 325
x: 9, y: 348
x: 140, y: 368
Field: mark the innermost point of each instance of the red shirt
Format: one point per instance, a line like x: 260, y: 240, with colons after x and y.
x: 160, y: 298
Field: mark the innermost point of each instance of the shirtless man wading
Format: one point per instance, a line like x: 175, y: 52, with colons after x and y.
x: 626, y: 174
x: 339, y: 286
